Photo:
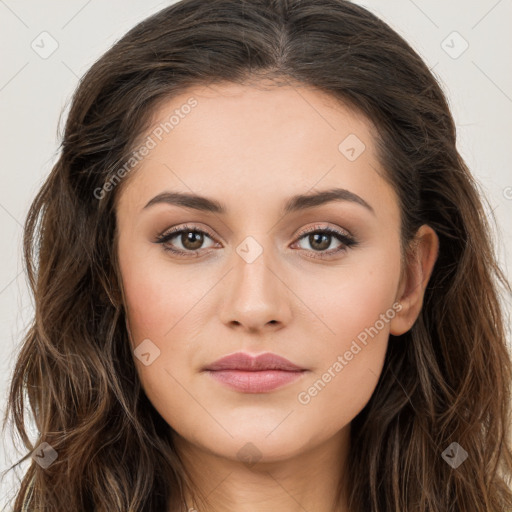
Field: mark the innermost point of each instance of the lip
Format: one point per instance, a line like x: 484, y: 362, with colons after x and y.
x: 255, y: 381
x: 254, y: 374
x: 246, y: 362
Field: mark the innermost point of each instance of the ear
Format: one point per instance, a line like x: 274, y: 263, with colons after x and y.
x: 415, y: 276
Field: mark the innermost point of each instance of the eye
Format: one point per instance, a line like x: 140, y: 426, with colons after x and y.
x: 192, y: 239
x: 321, y: 238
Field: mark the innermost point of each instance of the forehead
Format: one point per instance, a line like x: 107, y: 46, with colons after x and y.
x: 257, y: 143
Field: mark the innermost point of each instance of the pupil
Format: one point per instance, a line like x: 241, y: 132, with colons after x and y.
x: 315, y: 237
x: 191, y: 242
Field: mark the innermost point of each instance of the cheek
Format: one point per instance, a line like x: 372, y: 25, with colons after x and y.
x: 157, y: 309
x: 355, y: 314
x: 347, y: 372
x: 352, y: 298
x: 165, y: 304
x: 159, y: 296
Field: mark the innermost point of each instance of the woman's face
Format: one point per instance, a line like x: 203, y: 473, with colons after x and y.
x: 251, y: 279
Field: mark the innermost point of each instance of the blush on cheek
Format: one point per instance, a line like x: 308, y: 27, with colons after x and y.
x: 357, y: 316
x: 150, y: 303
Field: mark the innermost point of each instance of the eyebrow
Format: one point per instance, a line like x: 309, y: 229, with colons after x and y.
x: 293, y: 204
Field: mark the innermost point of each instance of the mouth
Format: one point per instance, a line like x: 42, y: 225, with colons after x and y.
x: 255, y: 381
x: 248, y: 374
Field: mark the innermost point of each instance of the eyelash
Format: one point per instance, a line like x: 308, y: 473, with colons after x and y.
x: 347, y: 241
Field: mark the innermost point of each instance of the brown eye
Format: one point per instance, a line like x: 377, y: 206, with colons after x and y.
x: 320, y: 239
x: 191, y: 240
x: 184, y: 241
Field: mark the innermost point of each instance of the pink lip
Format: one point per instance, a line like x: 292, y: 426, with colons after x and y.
x: 249, y: 374
x: 243, y: 361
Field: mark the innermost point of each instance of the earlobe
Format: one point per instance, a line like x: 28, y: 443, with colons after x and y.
x: 420, y: 264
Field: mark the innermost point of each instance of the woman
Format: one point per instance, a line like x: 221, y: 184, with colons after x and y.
x: 263, y: 278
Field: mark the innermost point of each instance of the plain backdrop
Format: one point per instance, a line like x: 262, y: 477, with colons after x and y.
x: 45, y: 47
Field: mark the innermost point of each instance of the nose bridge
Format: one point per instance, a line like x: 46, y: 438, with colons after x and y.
x: 255, y: 295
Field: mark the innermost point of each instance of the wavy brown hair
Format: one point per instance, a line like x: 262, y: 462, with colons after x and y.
x: 446, y: 380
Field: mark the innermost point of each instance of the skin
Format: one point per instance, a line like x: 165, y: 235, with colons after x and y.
x: 251, y: 148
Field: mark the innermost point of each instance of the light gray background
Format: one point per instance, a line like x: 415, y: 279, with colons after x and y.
x: 35, y: 90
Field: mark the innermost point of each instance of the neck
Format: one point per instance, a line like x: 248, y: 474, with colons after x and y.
x: 307, y: 481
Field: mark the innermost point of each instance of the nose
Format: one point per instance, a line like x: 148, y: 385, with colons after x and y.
x: 256, y: 296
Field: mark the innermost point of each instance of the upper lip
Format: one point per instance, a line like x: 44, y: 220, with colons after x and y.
x: 246, y: 362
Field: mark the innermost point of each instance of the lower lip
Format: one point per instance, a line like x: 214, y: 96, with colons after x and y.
x: 255, y: 381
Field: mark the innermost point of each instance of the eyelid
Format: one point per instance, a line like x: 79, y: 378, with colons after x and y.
x: 186, y: 227
x: 324, y: 227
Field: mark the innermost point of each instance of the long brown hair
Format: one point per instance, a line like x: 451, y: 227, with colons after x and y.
x: 447, y: 380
